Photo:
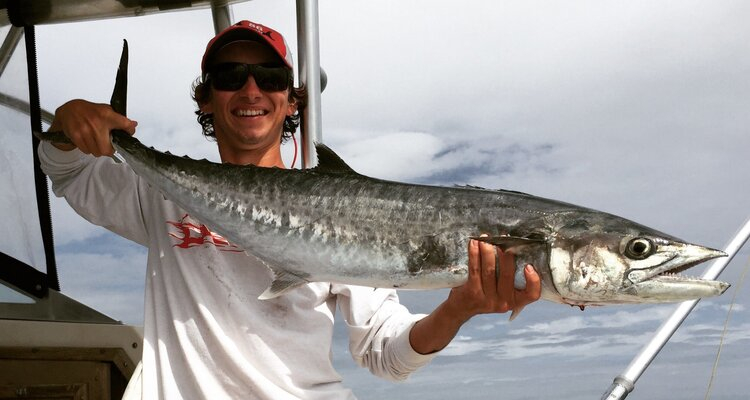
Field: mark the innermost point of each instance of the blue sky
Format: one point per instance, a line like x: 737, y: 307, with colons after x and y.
x: 635, y: 108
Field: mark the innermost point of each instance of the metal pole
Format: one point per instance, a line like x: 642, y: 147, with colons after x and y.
x: 625, y: 382
x: 19, y: 105
x: 308, y: 48
x: 22, y: 13
x: 9, y: 46
x: 222, y: 15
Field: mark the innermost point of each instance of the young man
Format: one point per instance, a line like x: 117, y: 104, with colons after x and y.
x: 206, y: 336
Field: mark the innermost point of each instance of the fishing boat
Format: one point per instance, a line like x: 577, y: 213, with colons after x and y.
x: 55, y: 346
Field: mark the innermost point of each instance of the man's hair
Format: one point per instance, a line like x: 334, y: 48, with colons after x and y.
x: 201, y: 93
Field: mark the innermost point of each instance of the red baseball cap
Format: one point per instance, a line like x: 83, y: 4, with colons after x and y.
x: 246, y: 30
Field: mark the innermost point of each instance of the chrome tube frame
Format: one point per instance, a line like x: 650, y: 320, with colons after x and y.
x: 308, y: 49
x: 222, y: 16
x: 21, y: 12
x: 9, y: 46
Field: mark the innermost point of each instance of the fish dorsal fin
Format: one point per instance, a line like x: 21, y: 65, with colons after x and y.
x: 470, y: 187
x: 120, y: 93
x: 329, y: 161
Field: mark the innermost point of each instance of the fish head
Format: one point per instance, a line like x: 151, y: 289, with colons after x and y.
x: 622, y: 262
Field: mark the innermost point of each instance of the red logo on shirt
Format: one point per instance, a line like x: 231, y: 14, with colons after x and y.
x: 190, y: 234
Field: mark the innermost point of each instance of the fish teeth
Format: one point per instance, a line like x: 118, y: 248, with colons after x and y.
x: 680, y: 276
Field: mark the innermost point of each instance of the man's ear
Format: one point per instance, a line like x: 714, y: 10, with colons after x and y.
x: 292, y: 108
x: 202, y: 96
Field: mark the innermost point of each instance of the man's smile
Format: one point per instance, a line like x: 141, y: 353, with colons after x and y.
x: 249, y: 112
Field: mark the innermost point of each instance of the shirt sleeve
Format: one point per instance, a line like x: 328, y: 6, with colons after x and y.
x: 103, y: 192
x: 379, y: 329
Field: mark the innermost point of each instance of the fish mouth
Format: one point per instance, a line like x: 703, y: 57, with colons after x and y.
x: 673, y: 288
x: 664, y: 282
x: 682, y: 259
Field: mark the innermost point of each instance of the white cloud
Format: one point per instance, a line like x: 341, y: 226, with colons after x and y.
x: 734, y: 307
x: 364, y: 151
x: 68, y: 226
x: 612, y: 320
x: 613, y: 332
x: 111, y: 284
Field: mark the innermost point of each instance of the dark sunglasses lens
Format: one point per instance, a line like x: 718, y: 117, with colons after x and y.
x: 271, y: 79
x: 229, y: 76
x: 232, y: 76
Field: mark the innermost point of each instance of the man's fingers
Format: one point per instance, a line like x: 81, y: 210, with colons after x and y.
x: 91, y: 138
x: 490, y: 285
x: 533, y: 289
x: 505, y: 282
x: 121, y: 122
x: 88, y: 125
x: 104, y: 146
x: 531, y: 293
x: 488, y: 258
x: 85, y: 142
x: 474, y: 268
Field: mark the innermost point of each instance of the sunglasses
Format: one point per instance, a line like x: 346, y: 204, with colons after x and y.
x: 233, y: 76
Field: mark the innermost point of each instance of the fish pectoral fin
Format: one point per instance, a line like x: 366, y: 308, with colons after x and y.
x: 283, y: 282
x: 509, y: 242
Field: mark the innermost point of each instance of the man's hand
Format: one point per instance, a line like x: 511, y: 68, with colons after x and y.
x: 88, y: 126
x: 485, y: 291
x: 489, y: 288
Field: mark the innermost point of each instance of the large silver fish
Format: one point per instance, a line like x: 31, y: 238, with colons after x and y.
x: 332, y: 224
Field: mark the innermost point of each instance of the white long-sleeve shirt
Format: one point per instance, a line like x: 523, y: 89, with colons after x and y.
x: 206, y: 336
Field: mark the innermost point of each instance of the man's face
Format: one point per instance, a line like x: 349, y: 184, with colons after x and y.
x: 248, y: 119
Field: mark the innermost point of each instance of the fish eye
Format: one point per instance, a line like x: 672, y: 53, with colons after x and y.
x: 639, y: 248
